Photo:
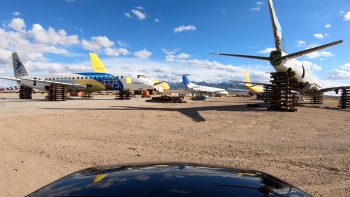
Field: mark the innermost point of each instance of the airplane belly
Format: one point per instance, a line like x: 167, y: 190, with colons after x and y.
x: 34, y: 84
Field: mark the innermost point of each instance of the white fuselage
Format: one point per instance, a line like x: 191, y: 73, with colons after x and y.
x: 206, y: 89
x: 96, y: 81
x: 303, y: 75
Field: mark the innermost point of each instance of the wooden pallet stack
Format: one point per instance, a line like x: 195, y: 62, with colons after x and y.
x: 124, y: 95
x: 25, y: 92
x: 57, y: 92
x: 282, y: 98
x: 167, y: 99
x: 267, y: 93
x: 344, y: 101
x: 316, y: 99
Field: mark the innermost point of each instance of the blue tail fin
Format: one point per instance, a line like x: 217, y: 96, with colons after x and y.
x: 18, y: 67
x: 185, y: 80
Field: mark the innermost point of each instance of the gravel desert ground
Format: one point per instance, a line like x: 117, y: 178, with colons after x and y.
x: 41, y: 141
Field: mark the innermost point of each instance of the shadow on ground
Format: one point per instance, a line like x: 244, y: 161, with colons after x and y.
x: 192, y: 112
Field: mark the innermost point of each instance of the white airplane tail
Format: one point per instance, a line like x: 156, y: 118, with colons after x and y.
x: 19, y: 69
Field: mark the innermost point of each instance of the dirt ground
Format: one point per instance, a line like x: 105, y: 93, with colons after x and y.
x: 41, y: 141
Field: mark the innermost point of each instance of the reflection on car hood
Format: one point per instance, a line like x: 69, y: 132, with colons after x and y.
x: 168, y: 180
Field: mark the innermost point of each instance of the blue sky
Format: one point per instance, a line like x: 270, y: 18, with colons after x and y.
x: 165, y: 38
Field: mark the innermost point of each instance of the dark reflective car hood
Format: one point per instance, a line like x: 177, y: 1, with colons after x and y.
x: 168, y: 180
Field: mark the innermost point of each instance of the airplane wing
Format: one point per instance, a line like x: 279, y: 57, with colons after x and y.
x: 253, y: 83
x: 11, y: 78
x: 45, y: 81
x: 57, y: 82
x: 333, y: 88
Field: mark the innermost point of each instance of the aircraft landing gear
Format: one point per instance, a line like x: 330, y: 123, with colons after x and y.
x: 25, y: 92
x: 282, y: 98
x: 344, y: 101
x: 57, y: 92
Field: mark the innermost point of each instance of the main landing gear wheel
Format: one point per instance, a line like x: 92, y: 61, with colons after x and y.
x: 25, y: 92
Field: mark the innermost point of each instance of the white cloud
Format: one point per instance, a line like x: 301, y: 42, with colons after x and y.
x: 136, y: 12
x: 346, y: 67
x: 311, y: 66
x: 346, y: 17
x: 183, y: 56
x: 17, y: 24
x: 256, y: 9
x: 16, y: 13
x: 209, y: 69
x: 267, y: 50
x: 143, y: 54
x: 184, y: 28
x: 328, y: 26
x: 97, y: 43
x: 140, y: 15
x: 319, y: 54
x: 52, y: 36
x: 156, y: 20
x: 52, y: 67
x: 341, y: 73
x: 301, y: 43
x: 35, y: 43
x: 115, y: 52
x: 128, y: 15
x: 320, y: 35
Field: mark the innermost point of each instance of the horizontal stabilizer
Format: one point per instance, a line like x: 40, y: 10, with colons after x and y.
x: 308, y: 51
x: 244, y: 56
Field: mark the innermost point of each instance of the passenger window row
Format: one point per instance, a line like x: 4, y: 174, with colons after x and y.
x: 98, y: 77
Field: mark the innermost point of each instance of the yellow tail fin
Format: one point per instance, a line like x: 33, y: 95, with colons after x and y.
x: 247, y: 79
x: 97, y: 64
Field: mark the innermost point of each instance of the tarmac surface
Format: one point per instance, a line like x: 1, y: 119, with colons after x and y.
x: 41, y: 141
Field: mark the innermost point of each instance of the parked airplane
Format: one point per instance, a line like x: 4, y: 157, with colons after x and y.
x: 253, y: 88
x: 98, y: 66
x: 203, y: 89
x: 282, y: 62
x: 94, y: 81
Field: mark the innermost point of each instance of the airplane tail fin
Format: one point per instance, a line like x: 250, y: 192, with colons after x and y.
x: 185, y: 80
x: 247, y: 80
x: 97, y: 64
x: 19, y: 70
x: 277, y: 30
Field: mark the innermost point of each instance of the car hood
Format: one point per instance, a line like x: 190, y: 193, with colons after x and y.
x: 168, y: 179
